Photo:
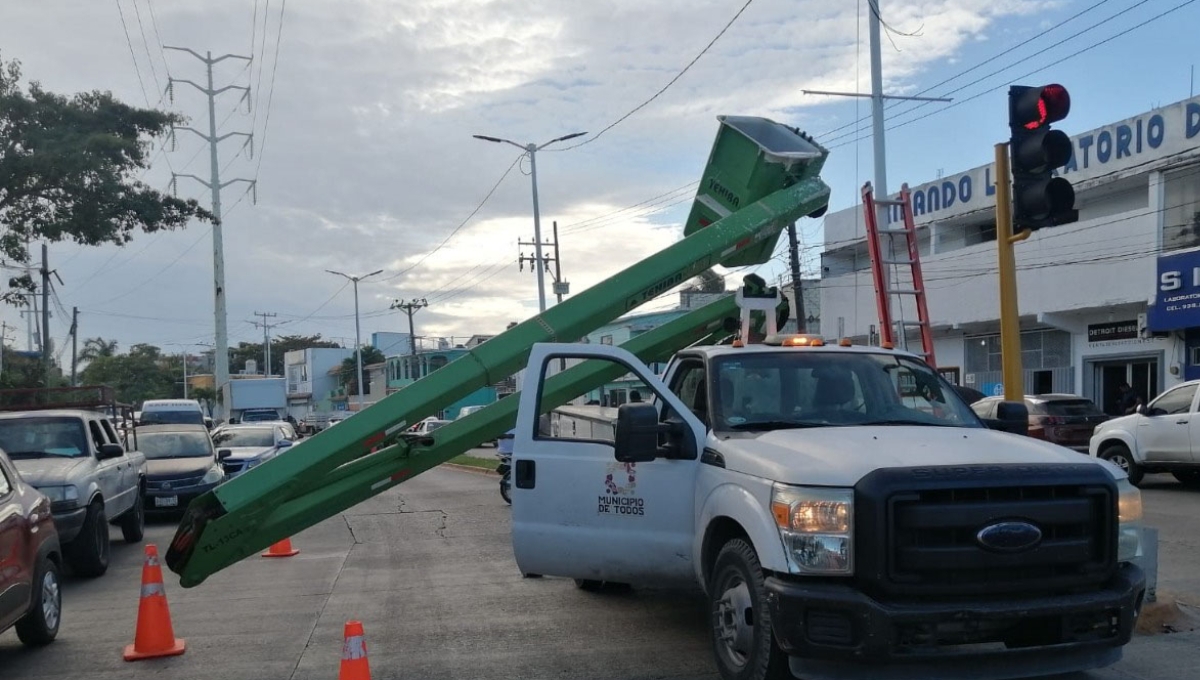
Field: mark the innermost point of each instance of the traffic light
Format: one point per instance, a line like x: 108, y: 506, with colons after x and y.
x: 1039, y: 198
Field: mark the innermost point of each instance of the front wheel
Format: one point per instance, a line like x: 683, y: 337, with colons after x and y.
x: 506, y: 489
x: 1119, y: 455
x: 133, y: 522
x: 743, y: 641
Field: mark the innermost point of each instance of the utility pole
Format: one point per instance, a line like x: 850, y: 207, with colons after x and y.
x: 797, y: 286
x: 185, y: 385
x: 877, y: 133
x: 266, y: 338
x: 46, y: 349
x: 531, y: 150
x: 1010, y: 324
x: 357, y: 329
x: 561, y: 287
x: 3, y: 341
x: 74, y: 343
x: 411, y: 308
x: 215, y: 185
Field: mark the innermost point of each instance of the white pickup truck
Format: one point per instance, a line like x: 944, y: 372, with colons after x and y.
x: 845, y: 512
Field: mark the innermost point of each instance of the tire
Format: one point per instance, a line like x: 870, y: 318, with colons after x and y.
x: 40, y: 626
x: 133, y: 522
x: 506, y: 490
x: 88, y: 553
x: 1188, y: 478
x: 589, y: 585
x: 740, y: 621
x: 1119, y: 455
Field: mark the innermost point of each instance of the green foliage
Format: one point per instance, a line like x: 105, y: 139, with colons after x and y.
x: 23, y: 372
x: 205, y: 395
x: 94, y: 348
x: 69, y: 170
x: 142, y: 373
x: 349, y: 374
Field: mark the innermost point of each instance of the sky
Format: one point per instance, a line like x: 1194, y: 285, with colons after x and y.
x: 363, y: 111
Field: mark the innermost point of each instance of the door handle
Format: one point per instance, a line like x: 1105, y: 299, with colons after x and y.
x: 1181, y: 422
x: 526, y: 474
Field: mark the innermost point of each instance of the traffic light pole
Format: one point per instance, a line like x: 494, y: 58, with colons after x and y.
x: 1010, y: 320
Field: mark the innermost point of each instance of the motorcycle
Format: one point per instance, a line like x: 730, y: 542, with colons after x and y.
x: 504, y: 469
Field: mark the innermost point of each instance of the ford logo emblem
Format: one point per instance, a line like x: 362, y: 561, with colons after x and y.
x: 1009, y: 537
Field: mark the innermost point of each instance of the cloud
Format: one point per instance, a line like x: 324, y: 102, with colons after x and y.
x: 367, y: 161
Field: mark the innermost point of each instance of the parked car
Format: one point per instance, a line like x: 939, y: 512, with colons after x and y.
x: 1163, y: 436
x: 77, y: 459
x: 181, y: 463
x: 428, y: 425
x: 1064, y: 419
x: 251, y: 444
x: 336, y: 418
x: 30, y: 595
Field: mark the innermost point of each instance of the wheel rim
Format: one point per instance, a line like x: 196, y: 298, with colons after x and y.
x: 1119, y: 460
x: 734, y: 628
x: 51, y: 600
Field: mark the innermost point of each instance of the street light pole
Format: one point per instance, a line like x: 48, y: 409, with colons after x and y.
x: 357, y: 330
x: 532, y: 150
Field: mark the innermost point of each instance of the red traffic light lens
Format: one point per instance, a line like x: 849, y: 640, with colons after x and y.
x: 1040, y: 106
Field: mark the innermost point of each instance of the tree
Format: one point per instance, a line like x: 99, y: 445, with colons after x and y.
x: 142, y: 373
x: 204, y: 395
x: 245, y: 351
x: 94, y: 348
x: 68, y: 170
x: 349, y: 375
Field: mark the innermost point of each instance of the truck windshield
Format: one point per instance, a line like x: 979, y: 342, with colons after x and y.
x: 158, y: 445
x: 172, y: 418
x: 43, y: 436
x: 797, y: 388
x: 249, y: 437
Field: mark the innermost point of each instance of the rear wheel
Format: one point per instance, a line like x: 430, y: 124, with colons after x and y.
x: 743, y: 641
x: 589, y: 585
x: 1119, y: 455
x: 133, y: 522
x: 1188, y: 478
x: 506, y: 489
x: 40, y: 626
x: 88, y: 553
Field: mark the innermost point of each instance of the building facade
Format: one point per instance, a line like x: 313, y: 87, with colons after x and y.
x: 308, y: 380
x: 1102, y: 301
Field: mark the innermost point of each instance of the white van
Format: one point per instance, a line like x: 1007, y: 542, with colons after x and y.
x: 171, y: 412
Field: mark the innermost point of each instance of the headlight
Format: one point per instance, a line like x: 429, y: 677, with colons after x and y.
x: 214, y: 475
x: 817, y: 528
x: 1129, y: 516
x: 61, y: 494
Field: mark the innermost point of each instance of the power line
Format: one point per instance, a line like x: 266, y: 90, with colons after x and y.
x: 462, y: 224
x: 170, y: 264
x: 132, y: 55
x: 146, y: 43
x: 664, y: 88
x: 158, y: 37
x: 262, y: 147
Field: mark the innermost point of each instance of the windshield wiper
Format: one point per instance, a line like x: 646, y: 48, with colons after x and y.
x: 778, y: 425
x: 907, y: 421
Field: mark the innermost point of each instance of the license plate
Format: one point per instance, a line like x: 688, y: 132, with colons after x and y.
x: 166, y: 501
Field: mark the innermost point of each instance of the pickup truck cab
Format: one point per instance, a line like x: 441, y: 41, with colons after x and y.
x: 845, y: 512
x: 77, y: 459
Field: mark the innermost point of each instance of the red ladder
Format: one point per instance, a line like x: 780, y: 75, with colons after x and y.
x: 879, y: 269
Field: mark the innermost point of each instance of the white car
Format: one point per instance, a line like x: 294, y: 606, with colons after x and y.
x: 1164, y: 436
x: 250, y: 445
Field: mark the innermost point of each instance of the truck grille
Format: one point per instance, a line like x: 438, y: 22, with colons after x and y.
x: 928, y: 539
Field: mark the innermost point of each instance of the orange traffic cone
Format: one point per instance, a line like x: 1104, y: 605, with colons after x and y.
x: 282, y: 549
x: 354, y: 654
x: 155, y: 636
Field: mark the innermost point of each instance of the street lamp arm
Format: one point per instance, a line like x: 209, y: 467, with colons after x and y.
x: 377, y: 271
x: 498, y: 140
x: 564, y: 138
x: 338, y: 273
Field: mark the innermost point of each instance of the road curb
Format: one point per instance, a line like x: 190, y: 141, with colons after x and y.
x: 472, y: 468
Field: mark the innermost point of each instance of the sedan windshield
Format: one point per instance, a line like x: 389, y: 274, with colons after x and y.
x: 43, y: 436
x: 248, y: 437
x: 797, y: 389
x: 175, y: 444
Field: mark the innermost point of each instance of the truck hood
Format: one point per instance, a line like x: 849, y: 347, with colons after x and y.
x: 178, y: 467
x: 841, y: 456
x: 48, y: 471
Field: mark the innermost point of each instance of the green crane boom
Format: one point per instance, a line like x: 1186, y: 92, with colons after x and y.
x: 760, y: 177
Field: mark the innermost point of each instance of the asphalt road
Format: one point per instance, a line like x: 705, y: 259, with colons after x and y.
x: 427, y: 567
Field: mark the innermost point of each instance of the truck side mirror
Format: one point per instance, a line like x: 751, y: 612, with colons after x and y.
x: 111, y: 451
x: 636, y: 439
x: 222, y: 454
x: 1011, y: 416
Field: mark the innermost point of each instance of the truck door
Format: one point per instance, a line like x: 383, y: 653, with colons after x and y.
x: 108, y: 472
x: 15, y: 576
x: 577, y: 511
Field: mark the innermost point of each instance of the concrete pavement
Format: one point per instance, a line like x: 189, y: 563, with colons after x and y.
x: 428, y: 568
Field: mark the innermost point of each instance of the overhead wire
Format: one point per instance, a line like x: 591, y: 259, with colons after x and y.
x: 262, y: 146
x: 664, y: 88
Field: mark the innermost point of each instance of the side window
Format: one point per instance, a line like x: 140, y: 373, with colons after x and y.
x: 112, y: 433
x: 98, y: 438
x: 5, y: 486
x: 1176, y: 401
x: 585, y: 419
x: 690, y: 386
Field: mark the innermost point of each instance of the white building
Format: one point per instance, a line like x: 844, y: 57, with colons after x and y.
x: 1083, y: 287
